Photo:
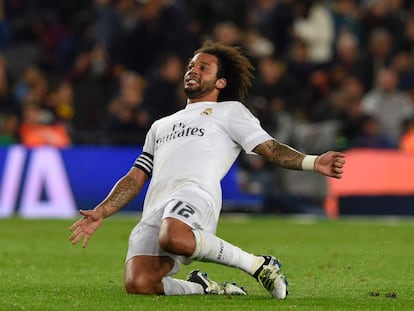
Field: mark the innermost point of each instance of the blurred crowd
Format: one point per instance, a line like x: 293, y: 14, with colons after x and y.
x: 329, y: 74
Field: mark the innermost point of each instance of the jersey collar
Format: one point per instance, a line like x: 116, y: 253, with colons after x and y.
x: 199, y: 104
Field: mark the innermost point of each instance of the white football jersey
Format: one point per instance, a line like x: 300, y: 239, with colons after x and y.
x: 189, y: 152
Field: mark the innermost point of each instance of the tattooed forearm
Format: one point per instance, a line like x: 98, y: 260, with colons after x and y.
x: 104, y: 212
x: 280, y: 154
x: 123, y: 192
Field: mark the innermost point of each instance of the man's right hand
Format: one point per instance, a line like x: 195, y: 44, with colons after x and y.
x: 86, y: 226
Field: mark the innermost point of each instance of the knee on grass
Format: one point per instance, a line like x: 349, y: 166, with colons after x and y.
x: 141, y: 285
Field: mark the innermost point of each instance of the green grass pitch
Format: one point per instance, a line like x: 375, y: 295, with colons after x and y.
x: 346, y: 264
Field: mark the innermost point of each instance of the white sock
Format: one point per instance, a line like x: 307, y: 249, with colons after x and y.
x: 211, y: 248
x: 180, y: 287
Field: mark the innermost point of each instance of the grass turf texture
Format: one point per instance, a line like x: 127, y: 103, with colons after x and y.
x: 331, y: 265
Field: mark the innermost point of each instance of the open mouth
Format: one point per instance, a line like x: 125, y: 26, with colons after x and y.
x: 191, y: 82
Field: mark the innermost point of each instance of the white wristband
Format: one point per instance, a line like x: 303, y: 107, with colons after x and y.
x: 308, y: 163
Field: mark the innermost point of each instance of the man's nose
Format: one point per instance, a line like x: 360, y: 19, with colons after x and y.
x: 194, y: 70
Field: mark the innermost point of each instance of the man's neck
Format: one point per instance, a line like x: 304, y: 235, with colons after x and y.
x: 199, y: 100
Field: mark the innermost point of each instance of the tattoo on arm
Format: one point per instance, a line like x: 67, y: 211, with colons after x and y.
x: 104, y: 212
x: 124, y: 191
x: 280, y: 154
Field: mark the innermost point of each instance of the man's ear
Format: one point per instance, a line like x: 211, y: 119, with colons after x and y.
x: 221, y: 83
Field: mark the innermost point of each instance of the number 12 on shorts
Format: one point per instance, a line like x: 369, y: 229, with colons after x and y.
x: 183, y: 209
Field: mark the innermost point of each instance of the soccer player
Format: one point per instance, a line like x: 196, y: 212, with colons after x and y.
x: 186, y: 155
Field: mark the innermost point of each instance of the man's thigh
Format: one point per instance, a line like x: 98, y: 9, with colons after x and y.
x: 143, y: 244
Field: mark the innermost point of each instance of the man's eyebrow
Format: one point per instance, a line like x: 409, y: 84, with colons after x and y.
x: 200, y: 62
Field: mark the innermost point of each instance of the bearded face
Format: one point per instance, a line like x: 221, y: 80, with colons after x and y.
x: 198, y: 89
x: 201, y: 76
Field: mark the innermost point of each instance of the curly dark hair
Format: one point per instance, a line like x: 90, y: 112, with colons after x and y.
x: 232, y: 66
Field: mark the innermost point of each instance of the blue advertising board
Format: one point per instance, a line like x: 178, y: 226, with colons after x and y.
x: 56, y: 183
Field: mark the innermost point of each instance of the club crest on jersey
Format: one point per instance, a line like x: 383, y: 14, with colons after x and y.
x: 207, y: 112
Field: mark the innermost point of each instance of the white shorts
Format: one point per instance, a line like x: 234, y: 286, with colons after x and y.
x: 144, y: 238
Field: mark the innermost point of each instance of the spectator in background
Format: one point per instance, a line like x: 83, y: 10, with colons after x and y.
x: 353, y: 87
x: 228, y: 33
x: 274, y: 21
x: 92, y: 77
x: 7, y: 102
x: 298, y: 63
x: 347, y: 56
x: 388, y: 105
x: 407, y: 42
x: 39, y: 129
x: 60, y: 30
x: 282, y: 119
x: 112, y: 20
x: 255, y: 175
x: 352, y: 112
x: 402, y: 64
x: 9, y: 110
x: 273, y: 83
x: 378, y: 55
x: 345, y: 15
x: 374, y: 15
x: 256, y: 45
x: 9, y: 126
x: 406, y: 142
x: 209, y: 13
x: 60, y: 101
x: 396, y: 17
x: 161, y: 27
x: 6, y: 31
x: 330, y: 108
x: 161, y: 95
x: 317, y: 90
x: 369, y: 135
x: 314, y: 25
x: 32, y: 84
x: 126, y: 120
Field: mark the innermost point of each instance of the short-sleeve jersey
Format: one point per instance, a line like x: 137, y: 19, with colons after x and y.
x: 189, y: 152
